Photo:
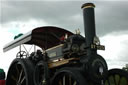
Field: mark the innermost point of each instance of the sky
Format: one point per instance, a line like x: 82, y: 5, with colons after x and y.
x: 111, y: 19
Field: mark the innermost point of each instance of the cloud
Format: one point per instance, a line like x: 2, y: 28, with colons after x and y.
x: 58, y: 13
x: 116, y: 53
x: 5, y: 58
x: 16, y: 27
x: 110, y: 15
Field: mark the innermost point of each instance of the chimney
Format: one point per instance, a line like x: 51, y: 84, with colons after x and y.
x: 89, y: 26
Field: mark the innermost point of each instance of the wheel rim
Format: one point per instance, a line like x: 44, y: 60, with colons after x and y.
x: 39, y: 75
x: 117, y: 77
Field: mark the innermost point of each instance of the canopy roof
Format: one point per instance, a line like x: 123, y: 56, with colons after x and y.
x: 44, y: 37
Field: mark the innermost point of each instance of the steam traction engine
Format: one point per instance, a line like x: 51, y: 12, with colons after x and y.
x: 64, y: 59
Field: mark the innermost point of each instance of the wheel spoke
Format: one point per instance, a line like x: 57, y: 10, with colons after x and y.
x: 68, y: 76
x: 117, y: 78
x: 114, y: 80
x: 70, y: 80
x: 20, y: 75
x: 22, y: 80
x: 74, y: 83
x: 119, y: 81
x: 64, y: 80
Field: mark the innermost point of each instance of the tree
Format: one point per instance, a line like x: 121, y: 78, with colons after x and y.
x: 125, y: 68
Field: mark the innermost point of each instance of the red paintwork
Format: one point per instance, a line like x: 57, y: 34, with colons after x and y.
x: 2, y: 82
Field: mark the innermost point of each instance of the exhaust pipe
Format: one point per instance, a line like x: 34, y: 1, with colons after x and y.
x: 89, y: 26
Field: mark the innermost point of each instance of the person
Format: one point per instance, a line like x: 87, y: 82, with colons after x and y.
x: 2, y: 77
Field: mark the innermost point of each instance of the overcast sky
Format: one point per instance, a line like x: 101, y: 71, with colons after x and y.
x: 19, y: 16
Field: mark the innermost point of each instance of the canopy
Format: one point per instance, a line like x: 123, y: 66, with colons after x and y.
x: 44, y: 37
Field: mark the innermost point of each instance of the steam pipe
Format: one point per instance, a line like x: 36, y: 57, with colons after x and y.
x: 89, y: 26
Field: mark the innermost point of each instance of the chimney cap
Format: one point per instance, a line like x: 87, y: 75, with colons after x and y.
x: 88, y: 5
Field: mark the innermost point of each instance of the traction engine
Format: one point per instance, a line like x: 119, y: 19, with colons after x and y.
x: 64, y: 58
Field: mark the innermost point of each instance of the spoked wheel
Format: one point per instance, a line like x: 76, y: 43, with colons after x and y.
x: 41, y: 74
x: 68, y: 76
x: 117, y: 77
x: 21, y: 54
x: 97, y: 69
x: 20, y: 73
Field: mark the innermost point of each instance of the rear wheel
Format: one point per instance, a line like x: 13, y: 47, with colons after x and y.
x: 20, y: 72
x: 68, y: 76
x: 117, y: 77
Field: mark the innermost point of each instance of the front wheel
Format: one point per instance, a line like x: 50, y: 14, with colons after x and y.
x: 68, y: 76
